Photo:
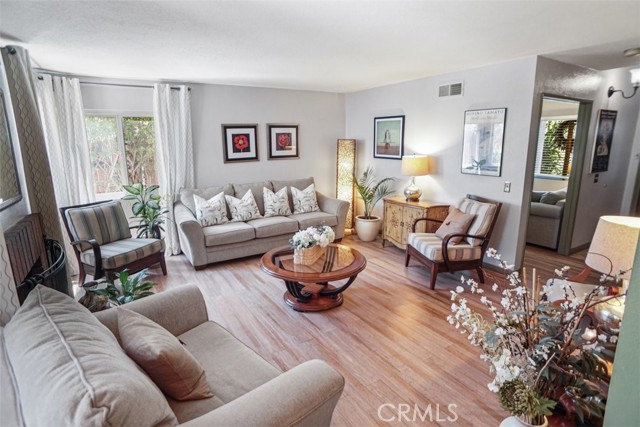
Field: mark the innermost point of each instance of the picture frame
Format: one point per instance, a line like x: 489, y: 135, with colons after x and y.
x: 483, y: 141
x: 604, y: 138
x: 240, y: 142
x: 283, y: 142
x: 388, y: 137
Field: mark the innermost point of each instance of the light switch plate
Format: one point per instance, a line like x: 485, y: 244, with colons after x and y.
x: 507, y: 187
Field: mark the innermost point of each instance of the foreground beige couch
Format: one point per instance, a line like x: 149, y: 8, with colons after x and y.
x: 61, y: 367
x: 206, y: 245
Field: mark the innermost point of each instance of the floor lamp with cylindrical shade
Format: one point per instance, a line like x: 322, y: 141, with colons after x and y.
x: 346, y: 168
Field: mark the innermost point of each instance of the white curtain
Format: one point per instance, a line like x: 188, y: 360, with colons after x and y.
x: 62, y: 115
x: 174, y: 150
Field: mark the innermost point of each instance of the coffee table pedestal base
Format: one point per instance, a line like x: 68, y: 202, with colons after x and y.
x: 316, y: 303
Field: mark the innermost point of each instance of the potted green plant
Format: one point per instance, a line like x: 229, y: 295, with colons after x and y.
x: 130, y: 289
x: 371, y: 191
x: 146, y: 208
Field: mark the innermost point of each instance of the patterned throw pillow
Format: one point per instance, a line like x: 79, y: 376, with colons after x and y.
x: 305, y: 200
x: 243, y: 209
x: 212, y: 211
x: 275, y: 204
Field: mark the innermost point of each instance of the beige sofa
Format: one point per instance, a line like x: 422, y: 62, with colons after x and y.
x: 545, y: 218
x: 60, y: 366
x: 206, y: 245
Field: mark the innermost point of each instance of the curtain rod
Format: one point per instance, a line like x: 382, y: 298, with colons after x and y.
x: 56, y: 73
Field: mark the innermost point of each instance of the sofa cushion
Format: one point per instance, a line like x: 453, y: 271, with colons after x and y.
x: 163, y: 358
x: 105, y: 222
x: 10, y: 412
x: 456, y: 222
x: 484, y: 213
x: 311, y: 219
x: 186, y: 195
x: 232, y: 369
x: 300, y: 184
x: 545, y: 210
x: 243, y: 209
x: 275, y: 204
x: 553, y: 197
x: 71, y: 371
x: 212, y: 211
x: 123, y: 252
x: 430, y: 246
x: 256, y: 189
x: 304, y: 200
x: 232, y: 232
x: 273, y: 226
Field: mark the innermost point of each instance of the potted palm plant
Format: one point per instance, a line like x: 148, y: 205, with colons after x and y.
x: 371, y: 192
x: 146, y: 208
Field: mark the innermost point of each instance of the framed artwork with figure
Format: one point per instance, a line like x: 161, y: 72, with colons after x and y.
x: 240, y: 143
x: 283, y: 142
x: 388, y: 137
x: 482, y: 141
x: 604, y: 137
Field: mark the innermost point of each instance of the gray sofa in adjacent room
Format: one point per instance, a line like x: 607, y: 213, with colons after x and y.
x: 545, y: 217
x: 214, y: 243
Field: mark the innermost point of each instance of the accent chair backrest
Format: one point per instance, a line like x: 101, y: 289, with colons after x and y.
x: 485, y: 211
x: 105, y: 222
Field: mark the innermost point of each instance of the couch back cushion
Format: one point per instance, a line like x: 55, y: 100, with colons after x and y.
x: 105, y: 222
x: 256, y: 189
x: 70, y: 370
x: 300, y: 184
x: 553, y: 197
x: 186, y: 195
x: 484, y: 213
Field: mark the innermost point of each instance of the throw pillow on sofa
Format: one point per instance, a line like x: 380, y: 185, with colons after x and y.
x: 304, y: 200
x: 212, y: 211
x: 243, y: 209
x: 553, y: 197
x: 275, y: 204
x: 457, y: 222
x: 160, y: 354
x: 70, y: 370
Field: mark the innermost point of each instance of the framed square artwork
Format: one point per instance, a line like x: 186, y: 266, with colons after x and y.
x: 283, y: 142
x: 240, y: 143
x: 482, y: 141
x: 388, y: 137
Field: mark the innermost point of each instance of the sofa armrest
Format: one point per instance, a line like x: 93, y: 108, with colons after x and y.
x: 336, y: 207
x: 190, y: 234
x: 545, y: 210
x: 303, y: 396
x: 177, y: 310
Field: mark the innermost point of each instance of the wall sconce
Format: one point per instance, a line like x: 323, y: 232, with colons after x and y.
x: 414, y: 166
x: 635, y: 81
x: 346, y: 168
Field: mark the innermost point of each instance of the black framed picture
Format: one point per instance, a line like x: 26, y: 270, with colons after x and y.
x: 388, y: 137
x: 240, y: 143
x: 482, y: 141
x: 604, y: 137
x: 283, y: 142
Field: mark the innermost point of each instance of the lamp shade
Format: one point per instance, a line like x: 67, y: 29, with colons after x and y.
x: 414, y: 165
x: 613, y: 247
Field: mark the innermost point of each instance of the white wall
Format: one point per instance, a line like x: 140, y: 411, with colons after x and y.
x: 434, y: 126
x: 320, y: 117
x: 549, y: 184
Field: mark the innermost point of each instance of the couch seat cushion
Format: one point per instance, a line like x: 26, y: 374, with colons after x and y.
x: 123, y: 252
x: 273, y: 226
x: 430, y: 246
x: 232, y: 369
x: 310, y: 219
x: 71, y: 371
x: 232, y: 232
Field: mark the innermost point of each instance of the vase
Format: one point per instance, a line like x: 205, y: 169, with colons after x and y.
x: 514, y: 421
x: 307, y: 256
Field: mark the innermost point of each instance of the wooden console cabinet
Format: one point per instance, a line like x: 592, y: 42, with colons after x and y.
x: 400, y: 214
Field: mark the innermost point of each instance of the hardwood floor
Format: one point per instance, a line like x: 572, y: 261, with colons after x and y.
x: 390, y: 339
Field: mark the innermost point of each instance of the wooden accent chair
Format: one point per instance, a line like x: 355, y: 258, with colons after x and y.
x: 103, y: 244
x: 440, y: 256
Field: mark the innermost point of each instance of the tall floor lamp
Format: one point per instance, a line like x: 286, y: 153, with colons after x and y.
x: 346, y: 168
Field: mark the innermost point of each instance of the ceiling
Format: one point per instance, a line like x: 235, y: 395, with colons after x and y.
x: 336, y: 46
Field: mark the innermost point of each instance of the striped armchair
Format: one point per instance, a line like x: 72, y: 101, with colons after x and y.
x: 103, y: 244
x: 442, y: 255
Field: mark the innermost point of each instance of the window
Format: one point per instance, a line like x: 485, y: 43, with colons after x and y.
x: 555, y: 147
x: 122, y: 150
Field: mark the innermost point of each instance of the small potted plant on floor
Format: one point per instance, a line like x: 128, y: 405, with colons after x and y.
x: 371, y: 192
x: 146, y: 209
x: 131, y: 288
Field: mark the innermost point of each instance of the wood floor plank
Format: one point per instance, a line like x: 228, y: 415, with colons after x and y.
x: 390, y: 339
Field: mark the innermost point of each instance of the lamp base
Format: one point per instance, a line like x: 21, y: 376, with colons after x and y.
x: 412, y: 193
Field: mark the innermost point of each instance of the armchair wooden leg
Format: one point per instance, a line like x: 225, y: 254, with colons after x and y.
x: 163, y: 266
x: 406, y: 258
x: 480, y: 274
x: 434, y: 275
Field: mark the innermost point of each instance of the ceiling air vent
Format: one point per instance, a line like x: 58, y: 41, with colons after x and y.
x: 453, y: 89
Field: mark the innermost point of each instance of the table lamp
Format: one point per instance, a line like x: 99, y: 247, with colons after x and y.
x: 414, y: 166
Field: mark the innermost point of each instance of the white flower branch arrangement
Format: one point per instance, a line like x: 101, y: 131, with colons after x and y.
x: 538, y: 350
x: 320, y: 235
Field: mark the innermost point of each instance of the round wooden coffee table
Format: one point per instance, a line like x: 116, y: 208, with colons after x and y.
x: 308, y: 286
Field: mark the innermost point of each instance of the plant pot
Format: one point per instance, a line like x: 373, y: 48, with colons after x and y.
x: 307, y: 256
x: 514, y: 421
x: 367, y: 228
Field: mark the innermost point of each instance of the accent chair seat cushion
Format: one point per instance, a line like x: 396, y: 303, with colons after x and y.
x: 122, y: 252
x: 310, y: 219
x: 273, y: 226
x: 232, y: 232
x: 430, y: 245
